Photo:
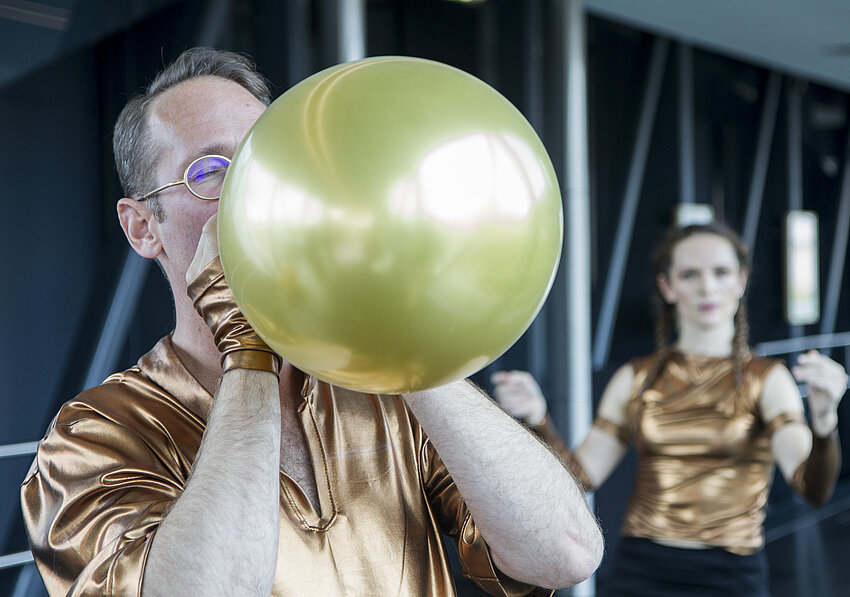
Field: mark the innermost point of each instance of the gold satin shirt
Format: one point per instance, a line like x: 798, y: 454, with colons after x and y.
x: 115, y: 458
x: 705, y: 464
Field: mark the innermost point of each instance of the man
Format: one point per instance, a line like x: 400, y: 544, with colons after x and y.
x: 215, y: 468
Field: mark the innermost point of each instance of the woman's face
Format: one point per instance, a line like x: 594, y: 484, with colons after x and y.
x: 705, y: 281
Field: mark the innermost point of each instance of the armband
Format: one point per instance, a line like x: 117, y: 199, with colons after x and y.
x: 239, y: 344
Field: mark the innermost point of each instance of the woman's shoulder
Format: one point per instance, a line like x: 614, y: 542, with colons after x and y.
x: 641, y: 365
x: 761, y: 366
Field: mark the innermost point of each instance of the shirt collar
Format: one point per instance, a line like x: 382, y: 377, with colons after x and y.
x: 164, y: 367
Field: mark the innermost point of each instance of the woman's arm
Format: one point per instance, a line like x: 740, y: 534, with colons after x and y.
x: 809, y: 459
x: 600, y: 452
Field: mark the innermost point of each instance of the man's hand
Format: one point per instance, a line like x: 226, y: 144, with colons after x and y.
x: 240, y: 345
x: 518, y: 393
x: 207, y: 249
x: 826, y: 383
x: 231, y: 501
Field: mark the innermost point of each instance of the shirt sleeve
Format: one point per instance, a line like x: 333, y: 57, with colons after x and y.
x: 92, y: 502
x: 455, y: 520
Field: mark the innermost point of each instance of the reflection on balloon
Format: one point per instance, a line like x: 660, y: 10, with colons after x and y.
x: 390, y: 225
x: 470, y: 180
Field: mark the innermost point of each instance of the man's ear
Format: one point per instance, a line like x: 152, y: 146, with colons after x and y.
x: 664, y: 289
x: 139, y: 226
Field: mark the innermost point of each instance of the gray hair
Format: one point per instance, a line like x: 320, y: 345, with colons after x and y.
x: 135, y: 150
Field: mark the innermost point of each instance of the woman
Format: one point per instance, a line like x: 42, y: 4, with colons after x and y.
x: 709, y: 420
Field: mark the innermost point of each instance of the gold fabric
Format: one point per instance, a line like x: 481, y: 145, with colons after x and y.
x: 116, y: 457
x: 783, y: 419
x: 704, y: 458
x: 240, y: 346
x: 258, y: 360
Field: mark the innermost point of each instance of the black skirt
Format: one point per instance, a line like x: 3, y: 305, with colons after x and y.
x: 644, y: 568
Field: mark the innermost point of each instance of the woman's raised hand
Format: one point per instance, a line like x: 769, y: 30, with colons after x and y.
x: 518, y: 393
x: 826, y: 383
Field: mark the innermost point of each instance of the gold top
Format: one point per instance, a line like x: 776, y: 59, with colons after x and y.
x: 704, y: 459
x: 117, y: 455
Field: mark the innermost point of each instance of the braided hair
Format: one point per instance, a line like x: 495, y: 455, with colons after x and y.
x: 665, y: 322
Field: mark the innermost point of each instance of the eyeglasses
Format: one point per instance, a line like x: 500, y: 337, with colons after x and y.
x: 203, y: 177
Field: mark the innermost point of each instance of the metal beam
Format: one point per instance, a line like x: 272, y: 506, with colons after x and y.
x: 576, y: 192
x: 536, y: 352
x: 22, y: 449
x: 532, y: 64
x: 762, y: 158
x: 351, y: 30
x: 802, y: 344
x: 839, y: 250
x: 298, y: 52
x: 631, y: 196
x: 121, y: 311
x: 577, y: 223
x: 794, y: 164
x: 487, y: 46
x: 795, y: 144
x: 15, y: 559
x: 487, y: 62
x: 687, y: 178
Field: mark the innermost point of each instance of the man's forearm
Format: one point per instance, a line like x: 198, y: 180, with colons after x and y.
x: 527, y: 506
x: 221, y: 536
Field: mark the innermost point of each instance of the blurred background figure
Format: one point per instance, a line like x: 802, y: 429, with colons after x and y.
x: 708, y: 420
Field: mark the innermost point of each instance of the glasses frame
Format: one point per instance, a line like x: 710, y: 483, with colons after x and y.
x: 185, y: 180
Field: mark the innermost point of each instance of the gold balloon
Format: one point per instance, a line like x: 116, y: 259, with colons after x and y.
x: 390, y: 224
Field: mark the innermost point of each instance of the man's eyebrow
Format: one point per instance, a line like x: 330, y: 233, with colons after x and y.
x: 208, y: 150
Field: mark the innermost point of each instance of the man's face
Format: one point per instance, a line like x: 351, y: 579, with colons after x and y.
x: 207, y: 115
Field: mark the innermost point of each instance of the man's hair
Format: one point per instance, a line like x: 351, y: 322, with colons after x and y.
x: 135, y: 151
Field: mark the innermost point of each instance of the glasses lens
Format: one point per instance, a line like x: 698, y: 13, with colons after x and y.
x: 206, y: 175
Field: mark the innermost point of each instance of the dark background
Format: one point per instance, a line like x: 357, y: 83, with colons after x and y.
x: 63, y: 82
